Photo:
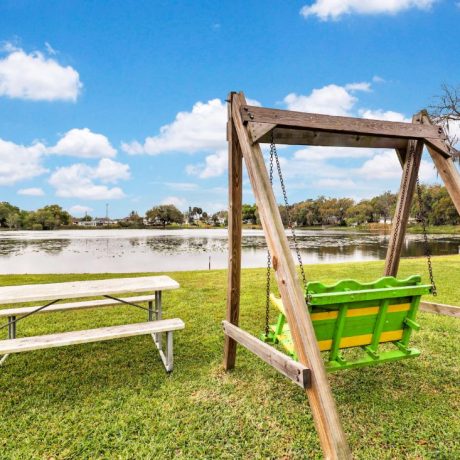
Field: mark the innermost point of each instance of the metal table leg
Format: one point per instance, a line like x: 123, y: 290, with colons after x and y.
x: 11, y: 334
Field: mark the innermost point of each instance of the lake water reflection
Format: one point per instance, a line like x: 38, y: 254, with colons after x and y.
x: 92, y: 251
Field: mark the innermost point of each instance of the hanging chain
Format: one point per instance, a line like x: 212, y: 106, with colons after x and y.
x: 408, y: 166
x: 410, y: 160
x: 422, y: 218
x: 286, y: 204
x: 269, y: 259
x: 274, y: 154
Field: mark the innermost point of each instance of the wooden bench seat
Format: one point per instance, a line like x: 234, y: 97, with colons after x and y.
x: 8, y: 312
x: 10, y: 346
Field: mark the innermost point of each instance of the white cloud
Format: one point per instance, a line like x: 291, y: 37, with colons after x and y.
x: 49, y: 49
x: 378, y: 79
x: 336, y: 183
x: 214, y: 166
x: 359, y: 86
x: 388, y: 115
x: 180, y: 203
x: 253, y: 102
x: 79, y: 209
x: 33, y: 191
x: 454, y: 131
x: 334, y: 9
x: 330, y: 100
x: 385, y: 166
x: 18, y: 162
x: 78, y: 180
x: 316, y: 153
x: 84, y: 144
x: 202, y: 129
x: 35, y: 77
x: 110, y: 171
x: 182, y: 186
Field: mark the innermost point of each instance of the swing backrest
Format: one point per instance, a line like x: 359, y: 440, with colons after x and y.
x: 353, y: 314
x: 379, y: 311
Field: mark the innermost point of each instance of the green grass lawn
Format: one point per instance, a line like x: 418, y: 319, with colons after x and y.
x: 113, y: 399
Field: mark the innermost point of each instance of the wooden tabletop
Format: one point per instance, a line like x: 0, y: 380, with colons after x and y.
x: 77, y: 289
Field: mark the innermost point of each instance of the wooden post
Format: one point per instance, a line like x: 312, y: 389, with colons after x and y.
x: 411, y: 165
x: 449, y: 174
x: 235, y: 198
x: 322, y: 403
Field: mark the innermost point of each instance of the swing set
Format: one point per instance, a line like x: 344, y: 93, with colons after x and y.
x: 346, y: 315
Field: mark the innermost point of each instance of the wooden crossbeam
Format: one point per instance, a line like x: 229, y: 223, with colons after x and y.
x: 293, y: 370
x: 322, y: 403
x: 343, y: 125
x: 262, y: 133
x: 440, y: 309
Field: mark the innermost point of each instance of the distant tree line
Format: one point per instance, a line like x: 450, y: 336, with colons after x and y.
x: 436, y: 206
x: 46, y: 218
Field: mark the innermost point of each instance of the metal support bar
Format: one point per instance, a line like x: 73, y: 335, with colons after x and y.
x: 12, y: 327
x: 167, y: 355
x: 158, y: 316
x: 150, y: 310
x: 11, y: 335
x: 125, y: 302
x: 10, y: 323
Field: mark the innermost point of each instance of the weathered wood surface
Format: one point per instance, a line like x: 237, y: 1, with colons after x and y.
x: 91, y: 335
x: 322, y: 403
x: 259, y: 130
x: 75, y: 305
x: 235, y: 197
x: 293, y: 370
x: 440, y: 309
x: 410, y: 171
x: 345, y: 125
x: 291, y: 136
x: 76, y: 289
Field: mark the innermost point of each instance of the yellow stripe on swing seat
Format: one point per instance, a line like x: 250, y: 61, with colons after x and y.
x: 360, y: 340
x: 325, y: 315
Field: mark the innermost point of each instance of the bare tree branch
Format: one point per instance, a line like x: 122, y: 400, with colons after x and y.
x: 446, y: 113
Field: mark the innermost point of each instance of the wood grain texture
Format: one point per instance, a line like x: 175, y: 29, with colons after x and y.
x: 404, y: 203
x: 260, y: 129
x: 90, y: 335
x: 293, y: 370
x: 322, y: 403
x: 76, y: 289
x: 343, y: 125
x: 235, y: 197
x: 290, y: 136
x: 74, y: 305
x: 440, y: 309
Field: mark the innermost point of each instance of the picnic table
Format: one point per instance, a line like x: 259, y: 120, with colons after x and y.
x: 110, y: 290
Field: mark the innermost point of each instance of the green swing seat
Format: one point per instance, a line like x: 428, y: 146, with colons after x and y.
x: 351, y: 314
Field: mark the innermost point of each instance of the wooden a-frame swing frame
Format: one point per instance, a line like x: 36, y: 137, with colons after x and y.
x: 247, y: 127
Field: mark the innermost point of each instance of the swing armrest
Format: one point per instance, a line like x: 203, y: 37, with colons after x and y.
x: 278, y: 303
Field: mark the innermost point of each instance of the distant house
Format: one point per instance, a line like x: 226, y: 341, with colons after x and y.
x: 97, y: 222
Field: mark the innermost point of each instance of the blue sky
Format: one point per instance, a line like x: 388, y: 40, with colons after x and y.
x: 124, y: 102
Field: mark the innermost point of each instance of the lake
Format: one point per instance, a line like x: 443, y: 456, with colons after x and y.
x: 122, y: 251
